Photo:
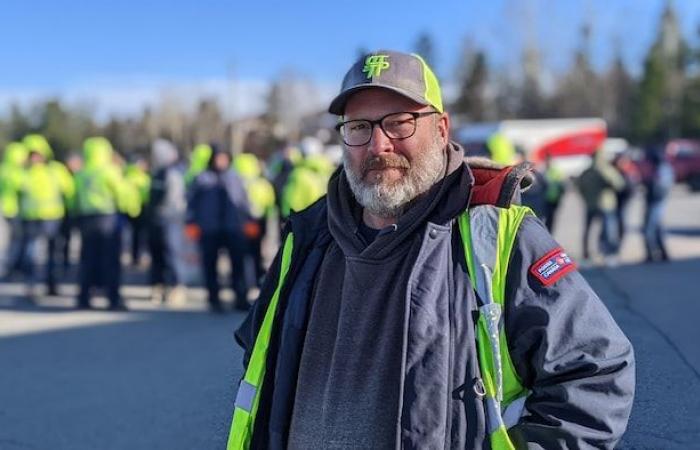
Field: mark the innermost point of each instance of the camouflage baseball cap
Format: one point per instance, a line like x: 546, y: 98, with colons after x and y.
x: 405, y: 74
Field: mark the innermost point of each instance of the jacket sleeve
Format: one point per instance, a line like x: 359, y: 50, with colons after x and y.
x: 192, y: 196
x: 176, y: 197
x: 247, y: 332
x: 568, y: 351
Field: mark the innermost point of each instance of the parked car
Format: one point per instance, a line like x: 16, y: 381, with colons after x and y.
x: 684, y: 156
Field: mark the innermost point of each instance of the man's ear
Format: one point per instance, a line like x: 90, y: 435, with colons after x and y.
x: 443, y: 125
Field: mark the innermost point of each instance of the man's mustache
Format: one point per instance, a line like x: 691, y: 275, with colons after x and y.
x: 390, y: 161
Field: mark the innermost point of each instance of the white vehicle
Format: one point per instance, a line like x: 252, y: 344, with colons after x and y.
x: 568, y: 141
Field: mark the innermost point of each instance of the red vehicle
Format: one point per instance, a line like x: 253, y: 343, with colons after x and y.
x: 684, y: 156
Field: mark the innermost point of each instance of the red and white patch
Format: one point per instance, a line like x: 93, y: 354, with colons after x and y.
x: 552, y: 266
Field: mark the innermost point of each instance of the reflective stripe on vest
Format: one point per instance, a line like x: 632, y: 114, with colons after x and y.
x: 487, y: 259
x: 248, y: 396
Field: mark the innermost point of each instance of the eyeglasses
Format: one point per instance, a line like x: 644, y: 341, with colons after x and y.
x: 400, y: 125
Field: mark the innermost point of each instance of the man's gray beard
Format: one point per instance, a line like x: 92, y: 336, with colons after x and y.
x: 389, y: 200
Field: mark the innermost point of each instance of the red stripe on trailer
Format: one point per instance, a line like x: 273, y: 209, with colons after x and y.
x: 584, y: 142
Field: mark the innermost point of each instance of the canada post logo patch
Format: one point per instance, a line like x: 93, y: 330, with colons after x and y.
x: 552, y: 266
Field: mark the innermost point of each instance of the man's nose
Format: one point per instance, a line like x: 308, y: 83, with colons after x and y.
x: 379, y: 142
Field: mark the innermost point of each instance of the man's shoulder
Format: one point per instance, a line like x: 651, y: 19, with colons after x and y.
x: 308, y: 223
x: 547, y: 261
x: 496, y: 184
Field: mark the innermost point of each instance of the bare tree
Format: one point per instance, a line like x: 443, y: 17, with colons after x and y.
x: 290, y: 98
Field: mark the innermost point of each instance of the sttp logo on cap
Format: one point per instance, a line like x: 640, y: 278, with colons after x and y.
x: 402, y: 73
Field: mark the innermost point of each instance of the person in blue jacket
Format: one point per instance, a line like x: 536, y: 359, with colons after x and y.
x: 218, y: 206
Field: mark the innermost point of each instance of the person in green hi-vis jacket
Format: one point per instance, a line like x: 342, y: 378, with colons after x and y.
x: 102, y: 194
x: 45, y: 192
x: 11, y: 173
x: 261, y: 196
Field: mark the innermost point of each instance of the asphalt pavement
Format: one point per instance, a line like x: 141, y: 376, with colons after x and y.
x: 158, y: 378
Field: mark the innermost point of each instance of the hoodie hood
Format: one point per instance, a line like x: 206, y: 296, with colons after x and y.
x: 38, y: 143
x: 199, y: 160
x: 163, y: 154
x: 448, y: 197
x: 98, y: 152
x: 15, y: 154
x: 247, y: 166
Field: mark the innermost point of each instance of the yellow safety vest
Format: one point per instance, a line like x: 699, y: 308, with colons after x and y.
x: 504, y: 395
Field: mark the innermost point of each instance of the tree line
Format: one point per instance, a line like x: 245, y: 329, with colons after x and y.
x: 662, y: 102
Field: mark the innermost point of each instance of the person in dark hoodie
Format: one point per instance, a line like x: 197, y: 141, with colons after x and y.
x: 364, y: 335
x: 218, y: 206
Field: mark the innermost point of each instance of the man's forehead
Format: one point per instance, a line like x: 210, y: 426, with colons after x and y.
x: 378, y: 99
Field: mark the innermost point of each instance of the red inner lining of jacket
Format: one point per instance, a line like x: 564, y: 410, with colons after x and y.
x: 488, y: 184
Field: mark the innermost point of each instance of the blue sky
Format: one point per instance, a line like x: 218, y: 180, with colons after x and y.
x: 62, y: 46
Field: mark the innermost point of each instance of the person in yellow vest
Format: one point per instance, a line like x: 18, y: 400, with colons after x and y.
x: 556, y: 186
x: 415, y: 306
x: 102, y: 195
x: 306, y: 183
x: 502, y: 149
x: 261, y: 197
x: 137, y: 174
x: 11, y: 175
x: 65, y: 179
x: 47, y: 190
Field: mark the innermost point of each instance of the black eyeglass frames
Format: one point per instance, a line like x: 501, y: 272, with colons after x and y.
x: 399, y: 125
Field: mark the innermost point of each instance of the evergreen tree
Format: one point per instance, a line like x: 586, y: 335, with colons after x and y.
x: 471, y: 97
x: 65, y: 128
x: 531, y: 102
x: 659, y: 101
x: 619, y: 90
x: 425, y: 47
x: 18, y: 124
x: 578, y: 94
x: 691, y: 96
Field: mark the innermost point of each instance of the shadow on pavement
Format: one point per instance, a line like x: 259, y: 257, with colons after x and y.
x: 684, y: 231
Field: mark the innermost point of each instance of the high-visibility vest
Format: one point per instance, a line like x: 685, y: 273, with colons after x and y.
x: 97, y: 190
x: 248, y: 396
x: 487, y: 259
x: 304, y: 186
x: 40, y: 195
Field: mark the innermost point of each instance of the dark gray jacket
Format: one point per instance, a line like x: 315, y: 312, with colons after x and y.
x: 565, y: 345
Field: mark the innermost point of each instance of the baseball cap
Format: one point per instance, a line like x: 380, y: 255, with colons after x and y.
x: 405, y: 74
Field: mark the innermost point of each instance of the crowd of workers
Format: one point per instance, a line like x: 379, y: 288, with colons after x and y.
x: 606, y: 187
x: 217, y: 202
x: 212, y: 202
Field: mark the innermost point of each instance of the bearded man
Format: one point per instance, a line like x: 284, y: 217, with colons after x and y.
x: 416, y: 306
